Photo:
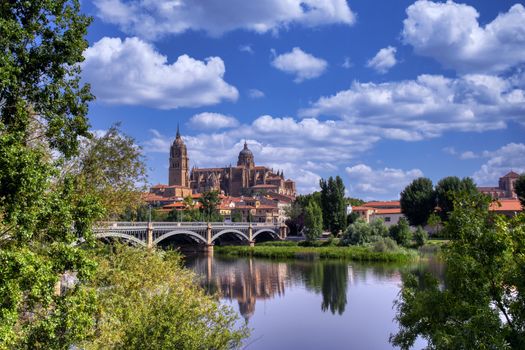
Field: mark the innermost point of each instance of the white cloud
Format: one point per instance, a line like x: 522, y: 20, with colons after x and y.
x: 156, y: 18
x: 246, y: 48
x: 451, y: 34
x: 347, y: 63
x: 303, y: 65
x: 131, y: 72
x: 210, y: 121
x: 383, y: 60
x: 255, y: 93
x: 500, y: 162
x: 468, y: 155
x: 387, y: 183
x: 426, y: 107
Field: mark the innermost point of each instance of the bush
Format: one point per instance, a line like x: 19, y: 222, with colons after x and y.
x: 385, y: 244
x: 357, y: 233
x: 277, y: 244
x: 401, y: 232
x: 420, y: 236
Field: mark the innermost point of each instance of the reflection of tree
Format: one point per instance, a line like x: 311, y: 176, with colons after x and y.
x: 331, y: 280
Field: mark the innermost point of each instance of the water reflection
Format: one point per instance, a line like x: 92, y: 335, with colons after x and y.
x: 245, y: 280
x: 248, y: 280
x: 303, y: 299
x: 331, y: 280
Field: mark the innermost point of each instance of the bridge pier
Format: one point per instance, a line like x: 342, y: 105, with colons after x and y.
x: 149, y: 234
x: 251, y: 243
x: 207, y: 249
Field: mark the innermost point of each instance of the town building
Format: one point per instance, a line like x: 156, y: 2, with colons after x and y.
x: 505, y: 189
x: 243, y: 179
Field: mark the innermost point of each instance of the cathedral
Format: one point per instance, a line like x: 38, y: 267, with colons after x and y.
x: 244, y: 179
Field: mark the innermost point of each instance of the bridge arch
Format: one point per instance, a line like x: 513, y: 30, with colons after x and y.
x: 120, y: 235
x: 272, y: 232
x: 229, y: 230
x: 179, y: 232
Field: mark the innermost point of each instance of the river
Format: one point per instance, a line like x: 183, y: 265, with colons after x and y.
x: 310, y: 304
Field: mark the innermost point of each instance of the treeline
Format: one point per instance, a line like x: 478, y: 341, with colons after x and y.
x: 314, y: 213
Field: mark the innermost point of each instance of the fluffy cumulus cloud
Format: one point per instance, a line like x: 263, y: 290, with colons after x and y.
x: 210, y: 121
x: 387, y: 183
x: 426, y: 107
x: 450, y: 33
x: 132, y: 72
x: 500, y: 162
x: 156, y: 18
x: 301, y: 64
x: 383, y: 60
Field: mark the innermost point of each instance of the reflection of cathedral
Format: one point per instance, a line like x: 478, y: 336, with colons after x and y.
x: 244, y: 281
x: 245, y: 178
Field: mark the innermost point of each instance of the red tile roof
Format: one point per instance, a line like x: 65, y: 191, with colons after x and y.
x: 506, y: 205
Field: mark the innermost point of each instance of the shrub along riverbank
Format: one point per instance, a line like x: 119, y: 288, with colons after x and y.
x: 354, y: 253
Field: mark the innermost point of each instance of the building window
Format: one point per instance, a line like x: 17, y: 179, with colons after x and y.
x: 387, y: 218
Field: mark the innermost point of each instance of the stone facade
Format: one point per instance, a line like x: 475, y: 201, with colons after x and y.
x: 505, y: 189
x: 244, y: 179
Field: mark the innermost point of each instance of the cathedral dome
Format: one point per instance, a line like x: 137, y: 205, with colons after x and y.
x: 245, y: 151
x: 246, y: 157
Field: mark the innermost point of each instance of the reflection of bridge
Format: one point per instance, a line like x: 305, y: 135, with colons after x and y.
x: 150, y: 234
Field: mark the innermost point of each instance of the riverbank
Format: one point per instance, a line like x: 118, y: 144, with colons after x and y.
x: 352, y: 253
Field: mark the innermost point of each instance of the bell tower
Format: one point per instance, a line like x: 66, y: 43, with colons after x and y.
x: 178, y: 170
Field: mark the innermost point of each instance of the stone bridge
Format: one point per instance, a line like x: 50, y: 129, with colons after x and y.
x: 149, y: 234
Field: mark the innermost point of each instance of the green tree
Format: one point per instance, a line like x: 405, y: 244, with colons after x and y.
x: 210, y: 201
x: 111, y: 166
x: 420, y: 236
x: 519, y: 188
x: 447, y: 188
x: 418, y: 201
x: 481, y: 303
x: 295, y: 214
x: 357, y: 233
x: 333, y: 204
x: 401, y: 232
x: 378, y: 228
x: 43, y: 111
x: 149, y: 301
x: 237, y: 216
x: 313, y: 221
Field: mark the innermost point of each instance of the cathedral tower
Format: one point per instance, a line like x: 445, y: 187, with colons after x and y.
x: 246, y: 157
x: 178, y: 172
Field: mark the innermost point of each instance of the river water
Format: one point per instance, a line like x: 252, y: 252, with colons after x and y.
x: 310, y: 304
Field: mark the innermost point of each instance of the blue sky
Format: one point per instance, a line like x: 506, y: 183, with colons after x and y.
x: 378, y: 92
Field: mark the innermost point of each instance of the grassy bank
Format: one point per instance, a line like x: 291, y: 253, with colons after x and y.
x: 354, y: 253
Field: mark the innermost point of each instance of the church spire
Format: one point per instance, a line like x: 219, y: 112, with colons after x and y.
x: 178, y: 132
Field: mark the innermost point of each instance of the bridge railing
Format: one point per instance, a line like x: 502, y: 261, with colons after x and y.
x: 118, y: 224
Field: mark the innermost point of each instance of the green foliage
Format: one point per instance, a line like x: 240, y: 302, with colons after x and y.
x: 333, y: 204
x: 210, y: 201
x: 385, y: 244
x: 237, y: 216
x: 401, y: 232
x: 43, y: 111
x: 519, y: 188
x: 420, y: 236
x: 361, y: 232
x: 418, y: 201
x: 295, y: 214
x: 353, y: 253
x: 481, y: 304
x: 148, y: 301
x: 447, y: 188
x: 354, y: 202
x: 357, y: 233
x: 111, y: 166
x: 313, y: 221
x: 352, y: 217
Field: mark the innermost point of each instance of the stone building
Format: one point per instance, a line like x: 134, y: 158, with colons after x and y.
x: 505, y: 187
x: 244, y: 179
